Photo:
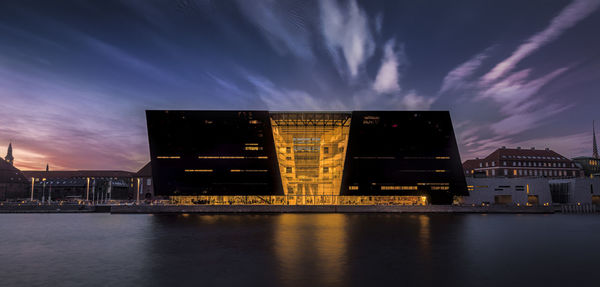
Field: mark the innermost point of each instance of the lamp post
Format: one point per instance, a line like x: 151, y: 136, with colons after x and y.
x: 137, y: 191
x: 87, y: 190
x: 93, y: 190
x: 32, y: 183
x: 43, y: 189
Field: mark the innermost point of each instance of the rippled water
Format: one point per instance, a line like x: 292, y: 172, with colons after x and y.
x: 298, y: 249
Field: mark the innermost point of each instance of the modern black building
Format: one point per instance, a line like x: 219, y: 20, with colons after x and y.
x: 263, y: 157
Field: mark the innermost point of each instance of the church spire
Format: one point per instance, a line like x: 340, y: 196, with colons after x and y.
x: 595, y: 145
x: 9, y: 157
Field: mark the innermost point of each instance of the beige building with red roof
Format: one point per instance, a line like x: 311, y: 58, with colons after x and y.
x: 518, y: 162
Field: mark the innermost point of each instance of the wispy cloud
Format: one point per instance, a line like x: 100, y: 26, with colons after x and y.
x: 459, y: 77
x: 517, y: 95
x: 413, y: 101
x: 567, y: 18
x: 516, y: 123
x: 284, y: 27
x: 41, y: 126
x: 346, y: 32
x: 516, y: 91
x: 387, y: 78
x: 276, y: 98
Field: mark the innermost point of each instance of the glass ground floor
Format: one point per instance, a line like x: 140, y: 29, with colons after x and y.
x: 298, y: 200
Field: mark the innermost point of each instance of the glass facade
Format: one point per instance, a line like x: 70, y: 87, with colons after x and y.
x: 304, y: 158
x: 311, y: 149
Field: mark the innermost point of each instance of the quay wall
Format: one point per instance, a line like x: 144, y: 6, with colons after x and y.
x: 48, y: 208
x: 327, y: 209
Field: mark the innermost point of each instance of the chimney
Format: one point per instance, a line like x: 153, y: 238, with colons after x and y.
x: 503, y: 147
x: 533, y: 148
x: 547, y: 148
x: 518, y: 147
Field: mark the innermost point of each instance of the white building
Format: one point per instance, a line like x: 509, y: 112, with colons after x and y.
x: 509, y: 191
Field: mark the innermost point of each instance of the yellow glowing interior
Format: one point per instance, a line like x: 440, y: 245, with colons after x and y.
x: 298, y: 200
x: 311, y: 149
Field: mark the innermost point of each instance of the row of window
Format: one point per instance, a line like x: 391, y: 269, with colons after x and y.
x: 532, y: 172
x: 528, y: 163
x: 404, y: 187
x: 534, y: 157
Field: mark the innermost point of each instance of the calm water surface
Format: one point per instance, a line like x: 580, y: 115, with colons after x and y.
x: 299, y: 249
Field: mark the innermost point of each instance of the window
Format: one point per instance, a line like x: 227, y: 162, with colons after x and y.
x: 326, y: 150
x: 506, y: 172
x: 288, y: 149
x: 149, y: 181
x: 325, y: 169
x: 288, y: 170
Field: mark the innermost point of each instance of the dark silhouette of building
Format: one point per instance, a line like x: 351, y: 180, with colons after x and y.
x: 9, y: 156
x: 13, y: 185
x: 595, y: 145
x: 507, y: 162
x: 305, y: 157
x: 590, y: 165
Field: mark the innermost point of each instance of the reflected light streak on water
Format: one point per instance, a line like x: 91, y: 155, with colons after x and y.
x: 298, y: 250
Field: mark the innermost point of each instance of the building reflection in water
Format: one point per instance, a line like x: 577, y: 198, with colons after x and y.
x: 425, y: 236
x: 311, y: 247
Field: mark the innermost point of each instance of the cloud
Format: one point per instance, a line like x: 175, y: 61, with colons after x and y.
x: 567, y: 18
x: 284, y: 99
x: 41, y: 124
x: 379, y: 23
x: 458, y: 77
x: 387, y: 78
x: 515, y: 92
x: 282, y: 26
x: 346, y: 30
x: 523, y: 121
x: 412, y: 101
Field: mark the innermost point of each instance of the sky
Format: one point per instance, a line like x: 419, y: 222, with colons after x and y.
x: 77, y: 76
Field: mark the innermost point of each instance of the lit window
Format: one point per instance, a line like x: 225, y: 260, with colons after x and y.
x: 398, y: 187
x: 253, y: 148
x: 353, y: 187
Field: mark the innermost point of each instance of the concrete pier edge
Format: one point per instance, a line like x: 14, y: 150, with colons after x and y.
x: 158, y: 209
